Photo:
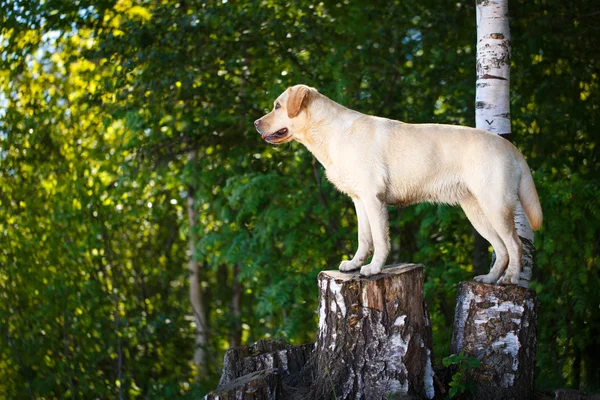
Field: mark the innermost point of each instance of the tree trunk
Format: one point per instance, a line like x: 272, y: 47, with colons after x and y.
x: 235, y: 336
x: 374, y: 336
x: 497, y: 325
x: 480, y: 254
x: 492, y: 106
x: 492, y: 101
x: 201, y: 340
x: 591, y: 362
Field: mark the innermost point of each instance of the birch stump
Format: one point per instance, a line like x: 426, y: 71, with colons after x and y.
x: 258, y: 371
x: 497, y: 325
x: 374, y: 338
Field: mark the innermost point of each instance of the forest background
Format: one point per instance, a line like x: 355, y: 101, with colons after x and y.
x: 115, y: 114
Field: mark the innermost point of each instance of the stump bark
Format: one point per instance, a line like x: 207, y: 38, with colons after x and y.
x: 497, y: 325
x: 374, y: 338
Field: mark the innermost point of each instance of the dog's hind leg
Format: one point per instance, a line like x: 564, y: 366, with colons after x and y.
x: 365, y: 239
x: 515, y: 252
x: 485, y: 229
x: 378, y: 220
x: 501, y: 217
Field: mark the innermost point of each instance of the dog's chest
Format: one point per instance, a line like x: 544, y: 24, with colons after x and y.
x: 342, y: 180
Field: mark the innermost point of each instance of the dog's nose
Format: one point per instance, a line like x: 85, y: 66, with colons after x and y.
x: 257, y: 123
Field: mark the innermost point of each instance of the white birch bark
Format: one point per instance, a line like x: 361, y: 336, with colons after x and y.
x: 201, y: 340
x: 497, y: 325
x: 492, y: 101
x: 492, y: 106
x: 374, y: 338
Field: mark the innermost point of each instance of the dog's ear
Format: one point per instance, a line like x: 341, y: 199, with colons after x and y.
x: 296, y: 97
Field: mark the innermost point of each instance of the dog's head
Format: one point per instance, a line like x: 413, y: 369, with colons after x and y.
x: 288, y: 119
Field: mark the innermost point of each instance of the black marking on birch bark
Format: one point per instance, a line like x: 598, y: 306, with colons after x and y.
x: 497, y: 35
x: 489, y: 122
x: 481, y: 105
x: 504, y: 115
x: 492, y: 56
x: 483, y: 2
x: 482, y: 84
x: 488, y: 76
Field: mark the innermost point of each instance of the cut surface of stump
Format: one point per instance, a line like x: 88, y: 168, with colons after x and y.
x: 374, y: 338
x: 497, y: 325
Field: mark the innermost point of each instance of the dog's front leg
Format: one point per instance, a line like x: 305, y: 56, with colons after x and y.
x: 365, y: 239
x: 378, y: 219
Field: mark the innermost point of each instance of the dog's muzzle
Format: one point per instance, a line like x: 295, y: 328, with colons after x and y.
x: 277, y: 135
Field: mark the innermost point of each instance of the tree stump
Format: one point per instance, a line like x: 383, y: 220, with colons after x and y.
x: 374, y: 342
x: 497, y: 325
x: 374, y: 338
x: 257, y: 371
x: 262, y: 355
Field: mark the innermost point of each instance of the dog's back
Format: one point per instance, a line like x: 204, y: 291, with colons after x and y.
x: 413, y: 163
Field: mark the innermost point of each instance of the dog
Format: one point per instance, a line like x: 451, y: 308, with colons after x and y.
x: 380, y: 162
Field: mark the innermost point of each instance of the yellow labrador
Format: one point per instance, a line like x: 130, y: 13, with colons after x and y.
x: 378, y: 161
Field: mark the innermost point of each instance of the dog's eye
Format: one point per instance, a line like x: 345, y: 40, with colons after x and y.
x: 277, y: 106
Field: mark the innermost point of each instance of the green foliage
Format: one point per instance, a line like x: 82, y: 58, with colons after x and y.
x: 568, y: 262
x: 460, y: 364
x: 102, y: 101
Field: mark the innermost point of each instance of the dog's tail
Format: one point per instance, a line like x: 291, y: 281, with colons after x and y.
x: 529, y: 197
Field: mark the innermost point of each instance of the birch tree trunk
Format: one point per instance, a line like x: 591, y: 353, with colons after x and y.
x: 492, y: 101
x: 201, y: 340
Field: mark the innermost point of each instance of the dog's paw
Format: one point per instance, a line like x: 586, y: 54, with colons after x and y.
x: 485, y: 278
x: 509, y: 279
x: 349, y: 265
x: 369, y: 270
